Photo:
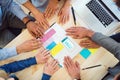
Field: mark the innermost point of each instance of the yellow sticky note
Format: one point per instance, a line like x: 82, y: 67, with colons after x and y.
x: 56, y: 49
x: 92, y: 50
x: 34, y: 51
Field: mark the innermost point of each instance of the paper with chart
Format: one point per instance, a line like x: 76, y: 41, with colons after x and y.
x: 59, y: 44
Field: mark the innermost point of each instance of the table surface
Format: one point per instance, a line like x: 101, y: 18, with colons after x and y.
x: 102, y: 56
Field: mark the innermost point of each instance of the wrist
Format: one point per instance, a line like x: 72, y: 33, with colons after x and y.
x: 18, y: 49
x: 90, y: 33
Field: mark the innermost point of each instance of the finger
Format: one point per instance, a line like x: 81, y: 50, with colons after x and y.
x: 64, y: 19
x: 46, y: 53
x: 48, y: 11
x: 68, y: 17
x: 60, y: 12
x: 54, y: 63
x: 77, y: 64
x: 68, y: 61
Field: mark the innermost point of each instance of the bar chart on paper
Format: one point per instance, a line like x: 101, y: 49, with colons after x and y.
x: 59, y: 44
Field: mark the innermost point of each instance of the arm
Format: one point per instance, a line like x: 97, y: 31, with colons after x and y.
x: 7, y: 53
x: 64, y: 13
x: 46, y: 77
x: 40, y: 58
x: 107, y: 43
x: 116, y: 37
x: 49, y: 69
x: 18, y: 65
x: 37, y: 14
x: 104, y: 41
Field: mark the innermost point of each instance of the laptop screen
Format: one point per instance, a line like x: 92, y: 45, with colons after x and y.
x: 111, y: 5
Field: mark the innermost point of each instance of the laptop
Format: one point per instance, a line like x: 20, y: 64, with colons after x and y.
x: 99, y: 15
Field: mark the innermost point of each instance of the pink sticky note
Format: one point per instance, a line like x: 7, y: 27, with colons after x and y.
x: 48, y: 35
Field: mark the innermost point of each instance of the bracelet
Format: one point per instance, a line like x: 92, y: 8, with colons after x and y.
x: 28, y: 22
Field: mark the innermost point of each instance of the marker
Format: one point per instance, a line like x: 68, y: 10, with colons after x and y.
x: 73, y: 13
x: 91, y: 67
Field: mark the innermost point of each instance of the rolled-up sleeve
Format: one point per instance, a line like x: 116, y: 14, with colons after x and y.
x: 21, y: 1
x: 7, y: 53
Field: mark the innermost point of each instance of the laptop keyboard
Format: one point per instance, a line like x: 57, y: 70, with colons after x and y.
x: 99, y: 12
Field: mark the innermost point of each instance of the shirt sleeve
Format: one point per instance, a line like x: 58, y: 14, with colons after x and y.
x: 18, y: 65
x: 17, y: 10
x: 108, y: 43
x: 7, y: 53
x: 21, y: 1
x: 46, y: 77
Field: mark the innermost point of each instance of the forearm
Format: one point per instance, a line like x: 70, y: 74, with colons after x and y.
x: 31, y: 7
x: 107, y: 43
x: 67, y: 3
x: 17, y: 10
x: 7, y: 53
x: 18, y: 65
x: 46, y: 77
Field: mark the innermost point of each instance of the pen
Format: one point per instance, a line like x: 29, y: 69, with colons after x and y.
x: 91, y: 67
x: 73, y: 13
x: 52, y: 24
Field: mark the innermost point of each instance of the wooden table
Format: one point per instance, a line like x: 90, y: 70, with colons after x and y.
x: 102, y: 56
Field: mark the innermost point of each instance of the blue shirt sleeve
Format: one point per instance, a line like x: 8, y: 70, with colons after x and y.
x: 46, y: 77
x: 14, y: 8
x: 21, y: 1
x: 7, y: 53
x: 17, y: 10
x: 18, y: 65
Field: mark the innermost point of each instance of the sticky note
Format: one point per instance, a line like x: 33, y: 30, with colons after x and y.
x: 67, y: 43
x: 85, y: 53
x: 48, y: 35
x: 51, y: 46
x: 93, y: 51
x: 57, y: 49
x: 34, y: 51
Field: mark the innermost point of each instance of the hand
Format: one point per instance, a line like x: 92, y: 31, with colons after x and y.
x: 64, y: 13
x: 51, y: 67
x: 2, y: 78
x: 41, y: 20
x: 51, y: 8
x: 42, y: 57
x: 72, y: 68
x: 88, y: 43
x: 10, y: 79
x: 35, y: 29
x: 79, y: 32
x: 28, y: 46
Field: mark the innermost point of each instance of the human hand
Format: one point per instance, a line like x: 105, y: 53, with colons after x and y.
x: 28, y: 45
x: 41, y: 20
x: 88, y: 43
x: 42, y: 56
x: 79, y: 32
x: 34, y: 29
x: 64, y: 13
x: 73, y: 68
x: 51, y: 67
x: 51, y: 8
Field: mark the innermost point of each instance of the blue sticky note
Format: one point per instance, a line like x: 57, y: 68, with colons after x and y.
x: 85, y: 53
x: 51, y: 46
x: 67, y: 43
